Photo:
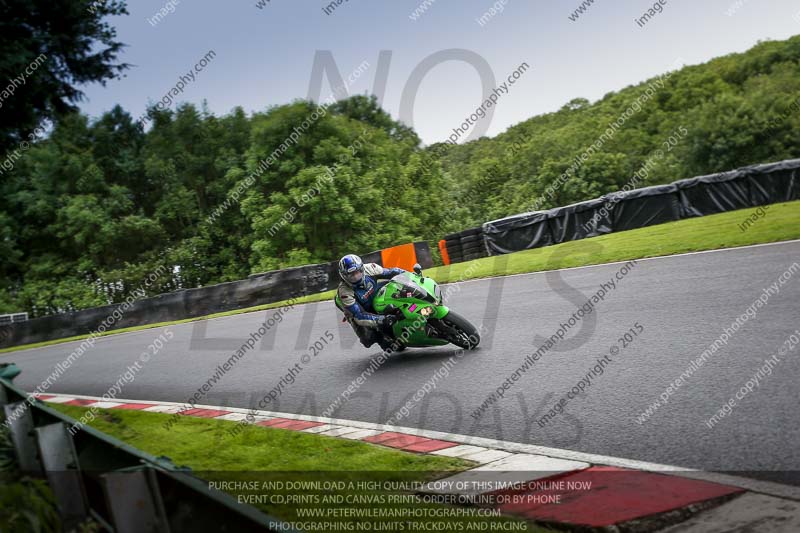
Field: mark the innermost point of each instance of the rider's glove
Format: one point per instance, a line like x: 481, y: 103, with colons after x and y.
x: 387, y: 322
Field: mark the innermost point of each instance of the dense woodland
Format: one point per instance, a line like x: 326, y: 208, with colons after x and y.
x: 97, y: 204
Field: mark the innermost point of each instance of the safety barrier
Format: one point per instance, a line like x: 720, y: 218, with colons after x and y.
x: 464, y: 245
x: 95, y: 476
x: 258, y: 289
x: 716, y: 193
x: 751, y: 186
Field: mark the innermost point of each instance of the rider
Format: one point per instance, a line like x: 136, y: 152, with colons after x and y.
x: 356, y: 292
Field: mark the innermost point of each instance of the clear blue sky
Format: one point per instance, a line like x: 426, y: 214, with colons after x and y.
x: 265, y: 56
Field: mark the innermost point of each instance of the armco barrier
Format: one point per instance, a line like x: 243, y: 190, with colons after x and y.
x: 93, y: 475
x: 573, y: 221
x: 189, y: 303
x: 716, y: 193
x: 640, y: 208
x: 256, y: 290
x: 775, y: 182
x: 518, y: 232
x: 703, y: 195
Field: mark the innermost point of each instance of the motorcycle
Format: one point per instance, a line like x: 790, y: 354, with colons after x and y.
x: 422, y: 317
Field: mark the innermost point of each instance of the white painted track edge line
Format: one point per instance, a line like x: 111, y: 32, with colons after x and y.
x: 763, y: 487
x: 668, y: 256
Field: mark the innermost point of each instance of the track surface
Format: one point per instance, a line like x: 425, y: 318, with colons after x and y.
x: 683, y: 303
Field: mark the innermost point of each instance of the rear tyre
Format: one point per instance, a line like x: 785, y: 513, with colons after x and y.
x: 460, y: 331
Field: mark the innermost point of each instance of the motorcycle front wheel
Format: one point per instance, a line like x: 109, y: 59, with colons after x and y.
x: 459, y: 331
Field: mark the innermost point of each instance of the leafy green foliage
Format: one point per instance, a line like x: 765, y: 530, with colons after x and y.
x: 734, y: 108
x: 90, y: 211
x: 61, y: 44
x: 26, y: 504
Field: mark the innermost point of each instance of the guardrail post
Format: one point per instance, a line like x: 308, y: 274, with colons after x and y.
x: 20, y: 424
x: 134, y: 490
x: 134, y: 502
x: 60, y: 461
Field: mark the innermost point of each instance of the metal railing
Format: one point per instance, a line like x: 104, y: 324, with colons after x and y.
x: 93, y: 475
x: 13, y: 317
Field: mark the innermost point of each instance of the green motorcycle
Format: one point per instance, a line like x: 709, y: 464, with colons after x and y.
x: 422, y: 317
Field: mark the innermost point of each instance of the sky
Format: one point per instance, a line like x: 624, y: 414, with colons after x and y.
x: 265, y: 56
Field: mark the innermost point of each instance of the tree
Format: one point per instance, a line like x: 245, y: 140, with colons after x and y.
x: 51, y: 47
x: 95, y: 207
x: 366, y: 109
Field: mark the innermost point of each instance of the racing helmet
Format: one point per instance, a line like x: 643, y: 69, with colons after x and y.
x: 351, y: 269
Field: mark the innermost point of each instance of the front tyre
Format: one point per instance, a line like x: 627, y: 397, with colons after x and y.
x: 460, y: 331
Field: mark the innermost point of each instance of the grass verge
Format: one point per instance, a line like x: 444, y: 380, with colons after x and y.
x: 269, y: 454
x: 780, y: 223
x: 712, y: 232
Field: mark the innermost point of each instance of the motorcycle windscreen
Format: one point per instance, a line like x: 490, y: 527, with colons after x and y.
x: 410, y: 289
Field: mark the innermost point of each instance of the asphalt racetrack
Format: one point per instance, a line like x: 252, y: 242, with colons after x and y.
x: 678, y: 306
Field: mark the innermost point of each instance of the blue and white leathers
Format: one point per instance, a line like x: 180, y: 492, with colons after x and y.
x: 357, y: 297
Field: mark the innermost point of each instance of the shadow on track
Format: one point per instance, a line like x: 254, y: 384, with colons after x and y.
x: 415, y: 358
